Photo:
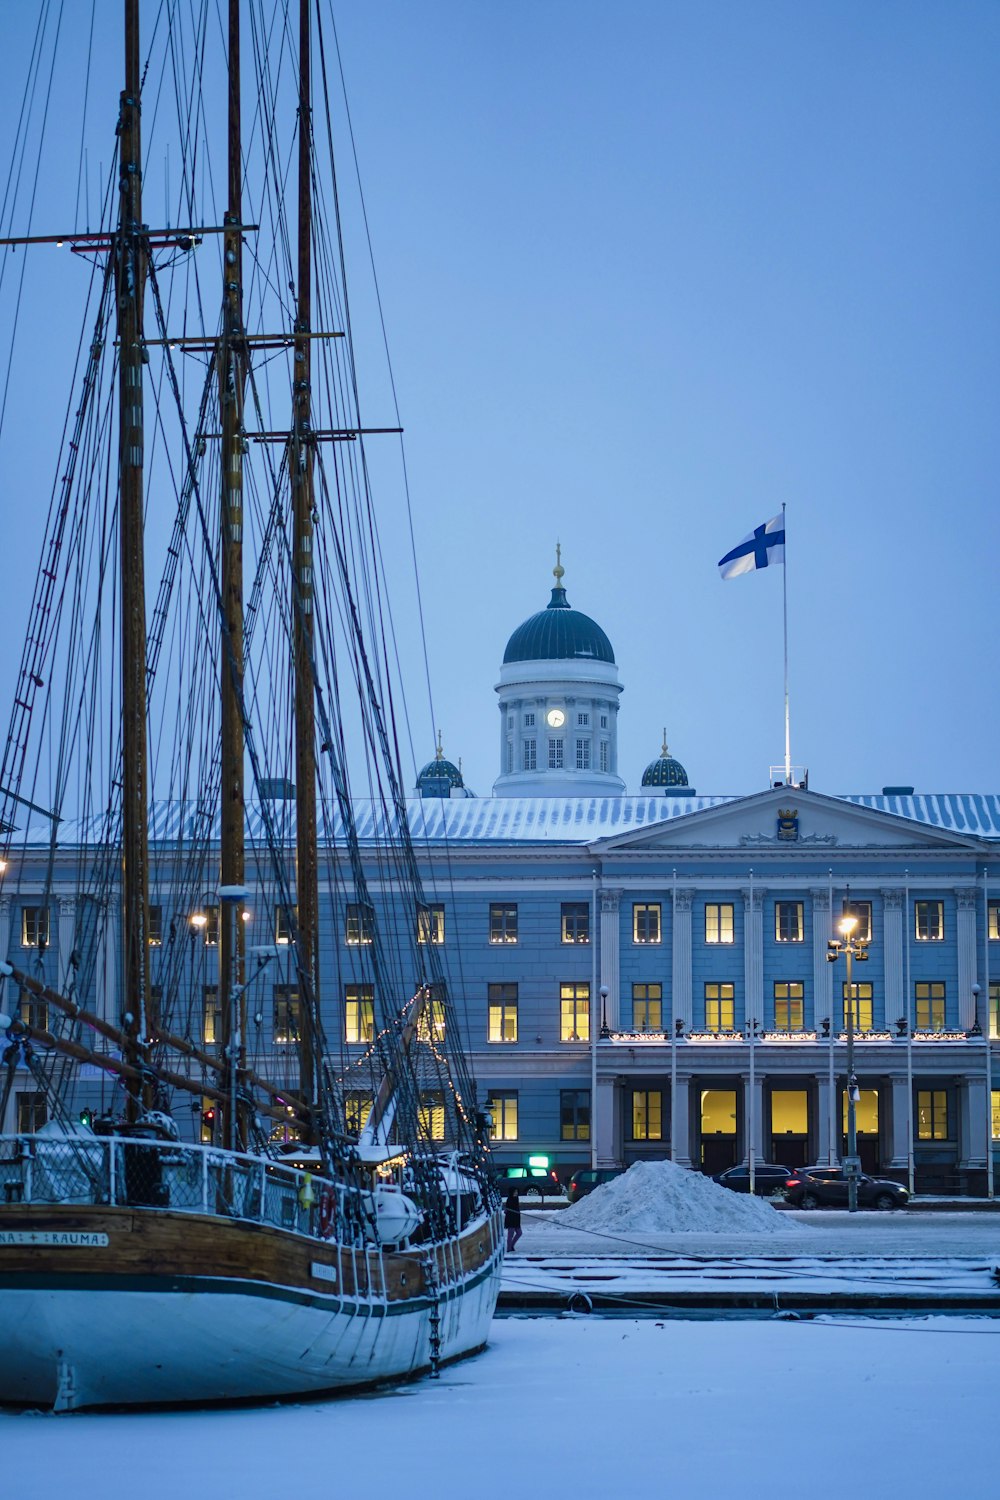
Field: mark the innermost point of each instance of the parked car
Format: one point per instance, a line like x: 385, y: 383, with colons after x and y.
x: 826, y: 1187
x: 588, y: 1178
x: 542, y: 1181
x: 767, y: 1178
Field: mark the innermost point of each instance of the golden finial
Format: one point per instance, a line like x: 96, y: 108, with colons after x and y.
x: 439, y: 754
x: 558, y: 571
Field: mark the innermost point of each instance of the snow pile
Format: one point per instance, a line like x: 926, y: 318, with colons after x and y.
x: 657, y: 1197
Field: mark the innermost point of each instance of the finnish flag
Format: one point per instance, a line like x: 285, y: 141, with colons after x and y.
x: 764, y: 547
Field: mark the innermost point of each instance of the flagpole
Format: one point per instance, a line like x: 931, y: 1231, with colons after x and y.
x: 784, y: 597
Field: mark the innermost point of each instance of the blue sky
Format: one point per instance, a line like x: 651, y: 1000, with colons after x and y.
x: 649, y: 271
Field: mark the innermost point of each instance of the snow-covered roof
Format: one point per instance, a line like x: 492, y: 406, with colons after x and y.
x: 537, y: 820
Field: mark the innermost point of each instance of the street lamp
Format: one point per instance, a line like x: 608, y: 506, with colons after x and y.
x: 605, y: 1029
x: 854, y: 949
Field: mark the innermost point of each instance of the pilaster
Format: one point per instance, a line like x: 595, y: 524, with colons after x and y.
x: 610, y: 955
x: 4, y: 926
x: 680, y: 962
x: 681, y: 1124
x: 966, y: 900
x: 821, y: 930
x: 898, y: 1140
x: 753, y: 955
x: 972, y: 1122
x: 896, y: 1006
x: 66, y: 970
x: 605, y: 1123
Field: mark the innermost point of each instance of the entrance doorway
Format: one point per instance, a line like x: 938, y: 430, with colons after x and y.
x: 790, y: 1127
x: 718, y: 1129
x: 866, y: 1115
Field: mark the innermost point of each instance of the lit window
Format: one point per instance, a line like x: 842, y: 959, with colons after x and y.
x: 574, y: 1012
x: 154, y: 932
x: 861, y: 911
x: 210, y: 926
x: 932, y: 1114
x: 789, y: 997
x: 930, y: 1006
x: 720, y: 1000
x: 719, y: 922
x: 646, y: 922
x: 647, y: 1115
x: 555, y: 755
x: 647, y: 1007
x: 503, y: 1108
x: 502, y: 1001
x: 359, y: 1013
x: 574, y: 1114
x: 605, y: 755
x: 530, y: 756
x: 928, y: 921
x: 503, y: 923
x: 32, y: 1113
x: 994, y: 1012
x: 995, y: 1112
x: 34, y: 1011
x: 788, y: 922
x: 583, y: 721
x: 430, y: 1026
x: 286, y: 1015
x: 430, y: 1116
x: 862, y: 1006
x: 34, y: 927
x: 360, y: 924
x: 210, y: 1027
x: 994, y: 921
x: 529, y: 721
x: 583, y: 755
x: 430, y: 925
x: 357, y: 1108
x: 575, y: 922
x: 282, y: 927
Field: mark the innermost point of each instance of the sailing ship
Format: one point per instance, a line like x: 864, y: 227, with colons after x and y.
x: 205, y: 1194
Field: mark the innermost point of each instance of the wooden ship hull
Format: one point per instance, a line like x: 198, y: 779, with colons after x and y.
x: 227, y: 1310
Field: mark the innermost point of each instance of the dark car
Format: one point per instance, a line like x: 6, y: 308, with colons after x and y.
x: 767, y: 1178
x: 585, y: 1181
x: 826, y: 1187
x: 540, y: 1181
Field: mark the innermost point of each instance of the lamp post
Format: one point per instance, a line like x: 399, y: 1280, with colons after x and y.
x: 854, y: 949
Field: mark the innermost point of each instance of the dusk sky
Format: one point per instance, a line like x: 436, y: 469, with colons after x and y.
x: 649, y: 271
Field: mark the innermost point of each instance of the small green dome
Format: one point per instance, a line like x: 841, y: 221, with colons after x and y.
x: 665, y: 770
x: 439, y: 777
x: 559, y: 633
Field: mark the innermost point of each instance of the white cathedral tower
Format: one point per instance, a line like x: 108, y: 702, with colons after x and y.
x: 559, y: 691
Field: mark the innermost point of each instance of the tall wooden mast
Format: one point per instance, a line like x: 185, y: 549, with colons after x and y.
x: 130, y: 277
x: 232, y: 388
x: 306, y: 880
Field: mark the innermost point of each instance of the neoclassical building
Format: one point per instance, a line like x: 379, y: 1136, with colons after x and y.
x: 645, y: 975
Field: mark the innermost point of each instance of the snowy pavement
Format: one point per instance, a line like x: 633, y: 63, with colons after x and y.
x: 576, y: 1408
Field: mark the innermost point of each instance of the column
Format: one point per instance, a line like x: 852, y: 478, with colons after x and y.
x: 681, y: 1109
x: 756, y: 1119
x: 820, y: 898
x: 106, y: 990
x: 823, y: 1119
x: 753, y: 955
x: 610, y: 964
x: 4, y: 926
x: 605, y: 1123
x: 680, y: 965
x: 896, y: 1007
x: 899, y: 1140
x: 66, y: 971
x: 972, y: 1123
x: 966, y: 900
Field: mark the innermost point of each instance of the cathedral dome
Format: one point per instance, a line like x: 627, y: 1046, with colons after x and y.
x: 665, y: 770
x: 559, y: 633
x: 440, y: 777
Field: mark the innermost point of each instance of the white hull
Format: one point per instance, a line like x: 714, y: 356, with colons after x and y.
x: 66, y: 1347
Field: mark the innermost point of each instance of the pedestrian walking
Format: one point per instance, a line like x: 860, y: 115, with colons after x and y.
x: 512, y: 1219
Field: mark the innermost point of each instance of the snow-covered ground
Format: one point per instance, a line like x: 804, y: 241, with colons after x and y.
x: 571, y: 1409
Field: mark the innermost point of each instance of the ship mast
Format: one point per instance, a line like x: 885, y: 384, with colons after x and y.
x: 232, y: 388
x: 306, y: 879
x: 130, y: 277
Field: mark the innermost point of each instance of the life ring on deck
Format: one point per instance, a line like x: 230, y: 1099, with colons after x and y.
x: 327, y: 1212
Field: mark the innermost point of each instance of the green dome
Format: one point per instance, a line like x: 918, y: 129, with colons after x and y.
x: 665, y: 770
x: 559, y: 633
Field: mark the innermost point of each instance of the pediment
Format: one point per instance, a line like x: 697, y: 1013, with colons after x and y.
x: 782, y: 819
